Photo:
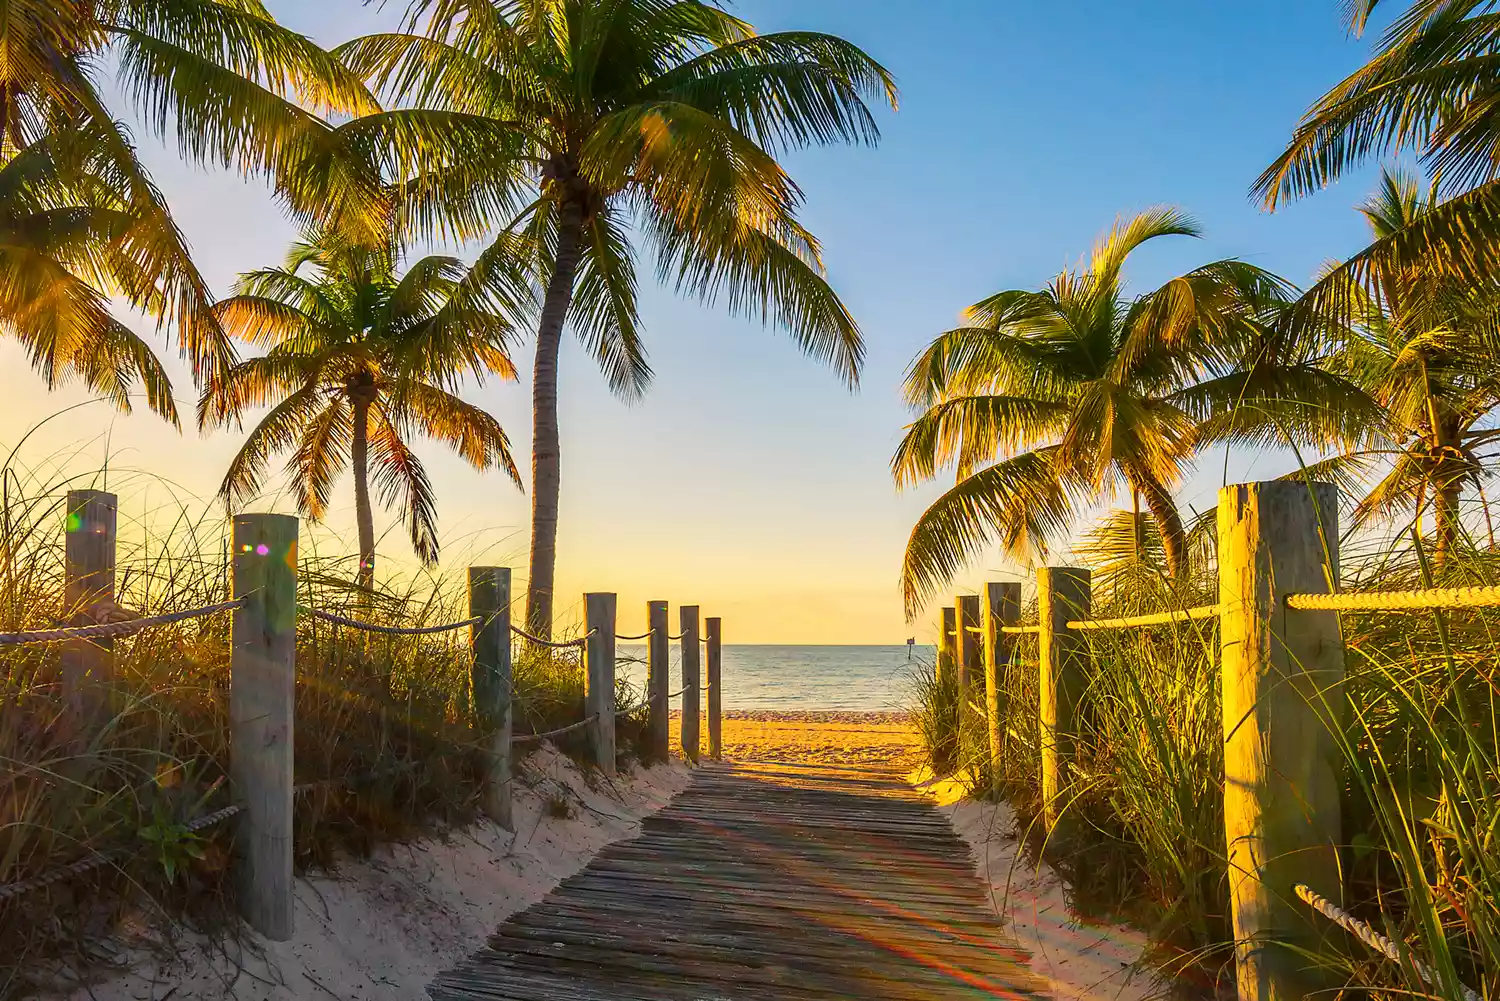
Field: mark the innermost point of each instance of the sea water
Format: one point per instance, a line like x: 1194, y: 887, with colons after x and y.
x: 802, y: 678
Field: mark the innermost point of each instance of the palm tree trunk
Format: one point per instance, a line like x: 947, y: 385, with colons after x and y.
x: 359, y: 457
x: 546, y: 454
x: 1169, y: 522
x: 1445, y: 520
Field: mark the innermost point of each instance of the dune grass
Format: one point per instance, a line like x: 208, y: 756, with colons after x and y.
x: 385, y: 739
x: 1420, y: 744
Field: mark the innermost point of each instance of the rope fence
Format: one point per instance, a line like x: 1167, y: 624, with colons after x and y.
x: 1397, y: 601
x: 1021, y: 630
x: 551, y: 644
x: 1374, y: 939
x: 530, y: 738
x: 371, y: 627
x: 259, y: 563
x: 113, y: 630
x: 1154, y: 619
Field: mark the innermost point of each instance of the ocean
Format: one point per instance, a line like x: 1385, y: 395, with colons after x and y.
x: 798, y: 678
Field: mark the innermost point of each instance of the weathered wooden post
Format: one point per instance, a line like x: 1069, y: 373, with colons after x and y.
x: 1002, y: 607
x: 713, y: 654
x: 658, y: 682
x: 970, y: 644
x: 490, y: 680
x: 691, y: 739
x: 88, y: 589
x: 1063, y: 593
x: 947, y: 645
x: 262, y: 687
x: 1282, y: 698
x: 599, y: 680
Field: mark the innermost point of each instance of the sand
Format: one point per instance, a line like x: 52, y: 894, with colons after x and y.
x: 379, y: 929
x: 834, y: 738
x: 1079, y: 961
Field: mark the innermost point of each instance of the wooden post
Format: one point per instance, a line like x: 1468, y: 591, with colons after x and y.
x: 1282, y: 698
x: 970, y: 644
x: 947, y: 646
x: 88, y: 590
x: 262, y: 685
x: 1002, y: 607
x: 658, y: 682
x: 688, y: 615
x: 599, y: 684
x: 489, y: 601
x: 1063, y: 593
x: 713, y: 650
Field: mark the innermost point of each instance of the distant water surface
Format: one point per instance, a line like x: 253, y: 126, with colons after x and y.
x: 842, y: 678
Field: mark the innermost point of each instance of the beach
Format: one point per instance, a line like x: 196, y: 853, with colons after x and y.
x: 813, y: 737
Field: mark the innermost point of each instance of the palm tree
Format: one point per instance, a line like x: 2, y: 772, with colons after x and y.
x: 640, y: 120
x: 1049, y: 401
x: 232, y: 85
x: 70, y: 238
x: 358, y: 359
x: 1428, y: 88
x: 1427, y: 348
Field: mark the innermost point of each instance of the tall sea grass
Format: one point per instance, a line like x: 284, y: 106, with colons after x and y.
x: 387, y: 747
x: 1419, y: 737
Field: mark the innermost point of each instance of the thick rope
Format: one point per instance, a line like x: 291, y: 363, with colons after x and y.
x: 111, y: 630
x: 643, y: 636
x: 549, y: 643
x: 974, y: 629
x: 1372, y: 938
x: 1020, y: 630
x: 98, y: 860
x: 533, y: 737
x: 371, y: 627
x: 676, y: 693
x: 1435, y: 597
x: 1156, y: 619
x: 679, y: 636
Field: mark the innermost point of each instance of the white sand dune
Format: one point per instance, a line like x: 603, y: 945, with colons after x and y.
x: 379, y: 929
x: 1080, y: 961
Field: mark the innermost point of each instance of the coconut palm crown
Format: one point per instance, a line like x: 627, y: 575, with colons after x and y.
x: 640, y: 122
x: 359, y: 359
x: 1422, y: 344
x: 1046, y: 402
x: 230, y: 84
x: 69, y: 239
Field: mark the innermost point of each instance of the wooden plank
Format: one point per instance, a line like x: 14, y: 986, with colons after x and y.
x: 490, y: 681
x: 691, y: 681
x: 659, y: 682
x: 599, y: 678
x: 792, y: 884
x: 1282, y: 704
x: 1062, y: 594
x: 262, y: 672
x: 88, y: 594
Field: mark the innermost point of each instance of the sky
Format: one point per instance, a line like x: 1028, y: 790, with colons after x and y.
x: 750, y: 480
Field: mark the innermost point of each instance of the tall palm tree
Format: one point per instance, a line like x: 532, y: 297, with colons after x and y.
x: 640, y: 120
x: 232, y: 85
x: 69, y: 239
x: 359, y: 358
x: 1426, y: 346
x: 1048, y: 401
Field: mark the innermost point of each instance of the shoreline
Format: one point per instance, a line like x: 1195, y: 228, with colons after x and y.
x: 849, y: 716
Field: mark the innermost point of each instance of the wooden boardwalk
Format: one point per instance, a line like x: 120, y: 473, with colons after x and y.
x: 769, y: 882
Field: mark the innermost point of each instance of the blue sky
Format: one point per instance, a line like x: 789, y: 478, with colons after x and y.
x: 750, y: 480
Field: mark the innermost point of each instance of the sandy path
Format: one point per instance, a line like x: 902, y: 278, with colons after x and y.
x: 379, y: 929
x: 835, y: 738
